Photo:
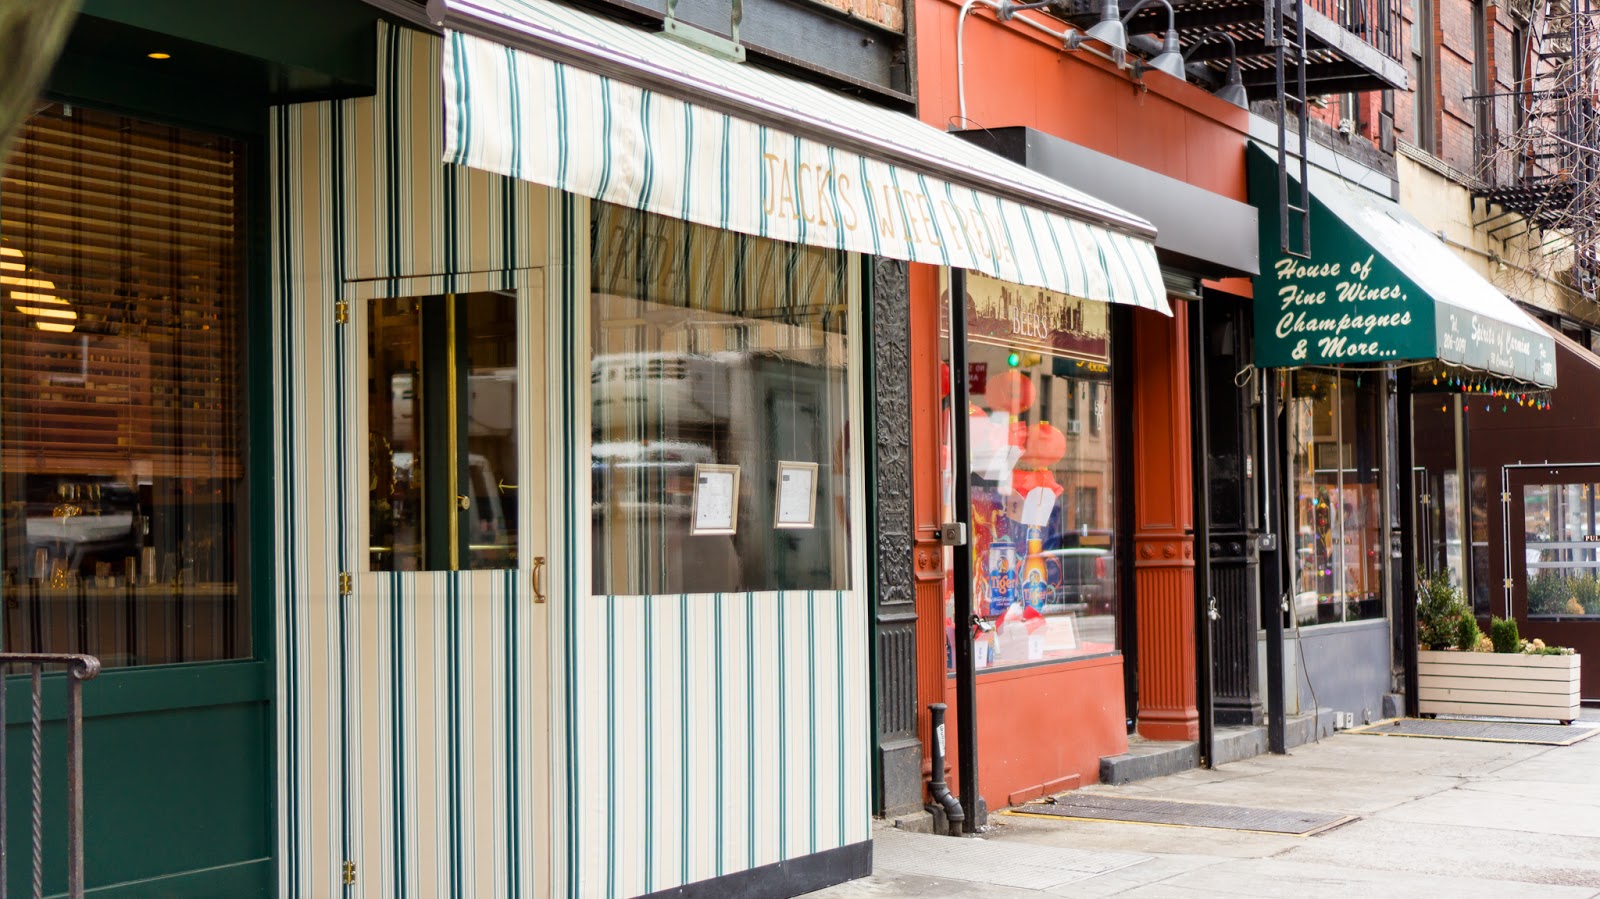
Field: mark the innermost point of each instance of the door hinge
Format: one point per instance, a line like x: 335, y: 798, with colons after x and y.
x: 1508, y: 583
x: 347, y: 584
x: 341, y: 312
x: 1505, y: 497
x: 349, y: 873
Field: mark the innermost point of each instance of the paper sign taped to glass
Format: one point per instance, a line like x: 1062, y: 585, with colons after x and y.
x: 795, y: 503
x: 716, y: 499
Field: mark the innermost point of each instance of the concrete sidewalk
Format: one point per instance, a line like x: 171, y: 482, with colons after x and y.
x: 1436, y: 818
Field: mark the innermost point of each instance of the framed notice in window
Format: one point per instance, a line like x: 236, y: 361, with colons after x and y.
x: 795, y: 502
x: 716, y: 499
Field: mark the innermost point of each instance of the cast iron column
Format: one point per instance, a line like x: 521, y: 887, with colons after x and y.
x: 898, y: 760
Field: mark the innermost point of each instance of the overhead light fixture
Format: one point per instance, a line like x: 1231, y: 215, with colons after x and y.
x: 1109, y: 31
x: 159, y: 55
x: 1112, y: 30
x: 1232, y: 89
x: 1170, y: 59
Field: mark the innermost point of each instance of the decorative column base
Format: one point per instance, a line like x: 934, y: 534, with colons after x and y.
x: 1164, y: 584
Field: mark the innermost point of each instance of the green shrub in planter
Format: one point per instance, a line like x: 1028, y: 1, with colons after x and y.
x: 1503, y: 633
x: 1467, y: 633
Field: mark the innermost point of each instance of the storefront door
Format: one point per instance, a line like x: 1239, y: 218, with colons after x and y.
x: 1552, y: 558
x: 455, y: 587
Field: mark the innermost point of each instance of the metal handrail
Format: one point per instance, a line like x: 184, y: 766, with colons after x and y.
x: 79, y: 669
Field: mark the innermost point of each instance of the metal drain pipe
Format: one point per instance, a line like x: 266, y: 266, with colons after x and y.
x: 936, y: 786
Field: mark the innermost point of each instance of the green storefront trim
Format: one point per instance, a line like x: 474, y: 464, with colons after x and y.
x: 1379, y: 288
x: 180, y: 766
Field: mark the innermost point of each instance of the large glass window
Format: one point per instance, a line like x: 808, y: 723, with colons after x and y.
x: 1336, y: 438
x: 719, y: 410
x: 1042, y: 474
x: 442, y: 432
x: 121, y: 438
x: 1561, y: 531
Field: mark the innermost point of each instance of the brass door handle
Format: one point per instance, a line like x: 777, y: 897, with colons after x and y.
x: 538, y: 579
x: 463, y: 502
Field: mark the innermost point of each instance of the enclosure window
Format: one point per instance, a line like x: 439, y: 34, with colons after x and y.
x: 442, y: 432
x: 719, y: 410
x: 1339, y: 543
x: 120, y: 306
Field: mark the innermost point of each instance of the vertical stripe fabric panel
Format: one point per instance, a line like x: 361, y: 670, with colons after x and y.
x: 440, y: 730
x: 737, y: 174
x: 776, y: 763
x: 395, y: 715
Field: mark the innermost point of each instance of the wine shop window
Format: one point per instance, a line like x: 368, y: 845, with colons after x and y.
x: 121, y: 418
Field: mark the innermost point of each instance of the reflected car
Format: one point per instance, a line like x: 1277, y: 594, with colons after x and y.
x: 1085, y: 580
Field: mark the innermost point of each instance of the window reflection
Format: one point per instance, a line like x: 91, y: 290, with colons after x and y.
x: 1561, y: 546
x: 712, y: 348
x: 394, y: 439
x: 441, y: 432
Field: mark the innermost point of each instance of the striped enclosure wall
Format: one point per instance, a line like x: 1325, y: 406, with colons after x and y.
x: 443, y: 732
x: 721, y: 732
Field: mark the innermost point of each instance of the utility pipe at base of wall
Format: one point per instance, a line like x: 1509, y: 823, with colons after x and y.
x: 936, y: 786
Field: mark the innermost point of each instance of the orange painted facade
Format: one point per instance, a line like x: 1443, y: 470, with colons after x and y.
x: 1045, y: 727
x: 1042, y: 730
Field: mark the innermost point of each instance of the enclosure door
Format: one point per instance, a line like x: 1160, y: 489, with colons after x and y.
x: 451, y: 777
x: 1552, y: 558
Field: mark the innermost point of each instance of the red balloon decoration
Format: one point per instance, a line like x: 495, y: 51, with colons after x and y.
x: 1010, y: 392
x: 1043, y: 447
x: 1024, y: 482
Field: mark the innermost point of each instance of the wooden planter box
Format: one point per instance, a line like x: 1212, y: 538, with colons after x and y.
x: 1512, y: 685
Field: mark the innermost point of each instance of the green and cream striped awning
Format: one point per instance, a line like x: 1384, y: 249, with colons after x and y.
x: 544, y: 92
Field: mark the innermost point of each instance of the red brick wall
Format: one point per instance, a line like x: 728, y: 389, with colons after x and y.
x: 1451, y: 77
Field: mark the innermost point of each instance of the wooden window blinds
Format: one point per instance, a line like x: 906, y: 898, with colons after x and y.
x: 120, y: 287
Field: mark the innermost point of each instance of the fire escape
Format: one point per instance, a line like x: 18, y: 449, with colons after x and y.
x: 1539, y: 144
x: 1289, y: 52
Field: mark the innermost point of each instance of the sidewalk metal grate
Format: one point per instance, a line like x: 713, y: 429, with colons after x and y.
x: 1100, y: 807
x: 1488, y: 731
x: 1000, y: 862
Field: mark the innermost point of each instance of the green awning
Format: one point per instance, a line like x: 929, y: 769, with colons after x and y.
x: 1380, y: 288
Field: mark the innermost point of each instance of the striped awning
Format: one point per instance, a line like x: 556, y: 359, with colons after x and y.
x: 544, y: 92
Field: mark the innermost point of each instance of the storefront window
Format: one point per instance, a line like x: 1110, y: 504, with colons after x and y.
x: 719, y: 410
x: 1562, y: 549
x: 1339, y: 545
x: 1042, y: 475
x: 121, y: 431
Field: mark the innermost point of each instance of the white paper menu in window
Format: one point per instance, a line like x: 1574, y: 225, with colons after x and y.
x: 796, y: 500
x: 716, y: 499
